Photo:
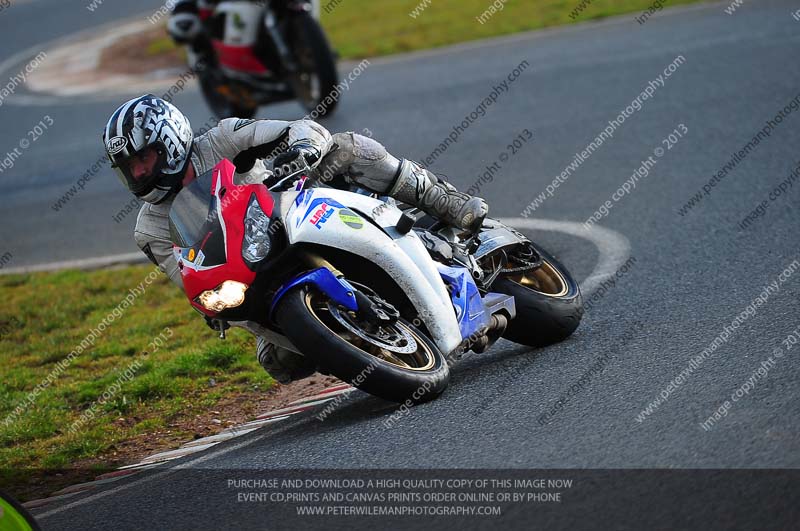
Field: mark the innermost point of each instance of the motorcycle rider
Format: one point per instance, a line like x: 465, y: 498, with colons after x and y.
x: 153, y: 150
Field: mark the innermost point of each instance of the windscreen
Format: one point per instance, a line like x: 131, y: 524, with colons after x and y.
x: 194, y: 224
x: 193, y: 212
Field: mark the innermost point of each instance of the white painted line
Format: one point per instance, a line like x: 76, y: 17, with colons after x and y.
x: 614, y: 251
x: 258, y: 423
x: 20, y: 58
x: 614, y: 248
x: 322, y: 395
x: 291, y: 410
x: 217, y: 438
x: 85, y: 486
x: 173, y: 454
x: 138, y: 466
x: 190, y: 464
x: 85, y: 263
x: 41, y: 502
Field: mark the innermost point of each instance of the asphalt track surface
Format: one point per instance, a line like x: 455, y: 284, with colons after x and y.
x: 692, y: 275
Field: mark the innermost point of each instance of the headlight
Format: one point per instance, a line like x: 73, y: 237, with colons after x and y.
x: 256, y: 243
x: 229, y: 294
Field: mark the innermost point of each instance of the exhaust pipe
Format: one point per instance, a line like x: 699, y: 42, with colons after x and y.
x: 492, y: 333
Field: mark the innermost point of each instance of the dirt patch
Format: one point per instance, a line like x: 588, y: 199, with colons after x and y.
x: 142, y: 53
x: 231, y: 410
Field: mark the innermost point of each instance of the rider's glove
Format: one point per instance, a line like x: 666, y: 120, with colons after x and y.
x: 308, y: 152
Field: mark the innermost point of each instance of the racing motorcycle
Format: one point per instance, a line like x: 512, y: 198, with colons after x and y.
x: 264, y: 52
x: 362, y: 286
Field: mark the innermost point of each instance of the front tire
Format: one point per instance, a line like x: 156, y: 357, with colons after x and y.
x: 220, y: 104
x: 331, y: 336
x: 316, y: 78
x: 548, y: 301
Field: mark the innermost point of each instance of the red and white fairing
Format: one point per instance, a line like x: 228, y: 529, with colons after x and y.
x: 204, y: 268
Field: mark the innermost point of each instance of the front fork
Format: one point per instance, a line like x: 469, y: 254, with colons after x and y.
x: 278, y: 42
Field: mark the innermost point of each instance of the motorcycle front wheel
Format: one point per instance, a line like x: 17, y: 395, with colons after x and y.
x: 396, y: 362
x: 316, y: 75
x: 211, y: 85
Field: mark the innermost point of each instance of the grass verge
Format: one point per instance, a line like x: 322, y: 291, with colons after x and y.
x: 366, y: 29
x: 155, y: 372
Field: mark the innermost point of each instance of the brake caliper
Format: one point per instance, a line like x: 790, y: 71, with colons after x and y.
x: 375, y: 310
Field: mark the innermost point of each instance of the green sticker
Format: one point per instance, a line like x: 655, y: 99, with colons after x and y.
x: 351, y: 219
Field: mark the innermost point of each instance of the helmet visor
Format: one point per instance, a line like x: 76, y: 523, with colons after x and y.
x: 141, y: 171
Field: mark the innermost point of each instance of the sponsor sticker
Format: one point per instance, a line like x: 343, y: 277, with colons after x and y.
x: 323, y: 213
x: 351, y: 219
x: 242, y: 123
x: 116, y: 144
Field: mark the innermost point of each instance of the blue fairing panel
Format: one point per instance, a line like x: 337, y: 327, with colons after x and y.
x: 338, y: 289
x: 470, y: 310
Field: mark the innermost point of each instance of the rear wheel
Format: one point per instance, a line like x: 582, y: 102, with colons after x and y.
x: 394, y: 361
x: 548, y: 301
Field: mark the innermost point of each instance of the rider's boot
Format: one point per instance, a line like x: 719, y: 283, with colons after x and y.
x: 282, y: 364
x: 424, y: 190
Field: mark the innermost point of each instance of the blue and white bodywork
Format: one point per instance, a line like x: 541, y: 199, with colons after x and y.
x: 445, y: 298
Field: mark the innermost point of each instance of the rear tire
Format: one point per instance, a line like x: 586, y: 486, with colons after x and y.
x: 312, y: 330
x: 548, y: 301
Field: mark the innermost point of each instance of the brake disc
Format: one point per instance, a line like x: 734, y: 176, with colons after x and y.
x: 398, y: 340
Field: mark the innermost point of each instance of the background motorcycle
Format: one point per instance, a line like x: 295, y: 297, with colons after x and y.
x: 261, y: 53
x: 347, y: 280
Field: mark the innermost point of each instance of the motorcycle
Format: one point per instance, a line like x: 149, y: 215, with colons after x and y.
x: 264, y: 52
x: 360, y: 285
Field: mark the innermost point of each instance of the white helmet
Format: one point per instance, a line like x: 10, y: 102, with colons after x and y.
x: 150, y: 129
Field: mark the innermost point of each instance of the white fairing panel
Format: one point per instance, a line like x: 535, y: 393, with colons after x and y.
x: 335, y: 218
x: 242, y: 22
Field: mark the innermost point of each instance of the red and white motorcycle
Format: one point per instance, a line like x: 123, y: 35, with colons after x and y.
x: 361, y: 287
x: 264, y: 52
